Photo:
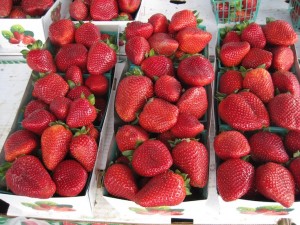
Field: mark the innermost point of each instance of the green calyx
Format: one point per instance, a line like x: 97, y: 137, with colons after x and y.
x: 136, y: 71
x: 186, y: 181
x: 36, y: 45
x: 3, y: 169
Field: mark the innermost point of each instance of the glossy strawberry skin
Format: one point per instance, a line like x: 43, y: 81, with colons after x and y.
x: 78, y: 91
x: 103, y: 10
x: 292, y: 141
x: 286, y: 81
x: 35, y: 7
x: 257, y: 57
x: 254, y: 34
x: 98, y: 84
x: 181, y: 19
x: 232, y: 53
x: 87, y: 34
x: 294, y: 167
x: 17, y: 13
x: 283, y: 58
x: 60, y: 107
x: 74, y: 74
x: 138, y: 28
x: 62, y: 32
x: 33, y: 105
x: 163, y: 44
x: 136, y: 48
x: 41, y: 61
x: 230, y: 81
x: 6, y: 7
x: 78, y: 10
x: 157, y: 66
x: 168, y: 88
x: 129, y: 6
x: 231, y: 36
x: 159, y: 22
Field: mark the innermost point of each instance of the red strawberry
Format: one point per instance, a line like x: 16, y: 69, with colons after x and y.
x: 244, y: 111
x: 87, y: 34
x: 268, y: 147
x: 193, y: 40
x: 181, y: 19
x: 257, y: 57
x: 191, y: 157
x: 132, y: 94
x: 78, y: 10
x: 28, y: 177
x: 168, y: 88
x: 151, y: 158
x: 70, y: 178
x: 138, y: 28
x: 98, y: 84
x: 283, y: 58
x: 92, y: 131
x: 62, y: 32
x: 284, y: 111
x: 166, y: 137
x: 232, y: 53
x: 136, y: 49
x: 55, y: 142
x: 230, y: 82
x: 275, y: 182
x: 187, y: 126
x: 231, y: 36
x: 254, y: 34
x: 17, y: 13
x: 294, y: 167
x: 157, y: 65
x: 129, y: 6
x: 20, y: 142
x: 292, y: 141
x: 163, y: 44
x: 104, y: 10
x: 193, y: 101
x: 165, y: 189
x: 231, y: 145
x: 129, y: 137
x: 285, y: 81
x: 6, y: 7
x: 60, y: 107
x: 74, y: 74
x: 119, y: 181
x: 196, y: 71
x: 158, y: 116
x: 36, y: 7
x: 159, y: 22
x: 234, y: 179
x: 78, y: 92
x: 49, y: 87
x: 34, y: 105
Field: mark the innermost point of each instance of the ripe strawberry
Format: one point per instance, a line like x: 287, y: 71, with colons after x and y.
x: 232, y: 53
x: 55, y: 142
x: 104, y: 10
x: 71, y: 55
x: 74, y: 74
x: 151, y: 158
x: 187, y: 126
x: 98, y: 84
x: 138, y: 28
x: 165, y: 189
x: 129, y: 137
x: 159, y: 22
x: 60, y: 107
x: 285, y: 81
x: 78, y: 10
x: 235, y: 177
x: 193, y: 101
x: 294, y: 168
x: 259, y: 82
x: 231, y: 145
x: 35, y: 7
x: 119, y: 181
x: 168, y: 88
x: 28, y: 177
x: 17, y: 13
x: 163, y: 44
x: 62, y: 32
x: 196, y: 71
x: 292, y: 141
x: 78, y: 91
x: 92, y: 131
x: 280, y: 32
x: 181, y: 19
x: 33, y: 105
x: 70, y: 178
x: 84, y: 149
x: 230, y: 82
x: 257, y: 57
x: 49, y: 87
x: 166, y: 138
x: 136, y: 48
x: 101, y: 58
x: 231, y: 36
x: 284, y: 111
x: 20, y: 142
x: 193, y: 40
x: 267, y: 147
x: 6, y: 7
x: 254, y: 35
x: 158, y: 116
x: 157, y: 65
x: 191, y: 157
x: 275, y: 182
x: 129, y: 6
x: 283, y: 58
x: 243, y: 111
x: 131, y: 96
x: 87, y: 34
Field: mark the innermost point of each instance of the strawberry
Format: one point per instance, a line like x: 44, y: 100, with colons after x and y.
x: 168, y: 88
x: 230, y: 82
x: 36, y: 7
x: 78, y: 92
x: 159, y: 22
x: 74, y: 74
x: 283, y: 58
x: 55, y: 142
x: 28, y: 177
x: 60, y: 107
x: 129, y: 6
x: 62, y: 32
x: 104, y: 10
x: 187, y: 126
x: 71, y: 55
x: 87, y: 34
x: 280, y: 32
x: 70, y: 178
x: 78, y: 10
x: 49, y: 87
x: 92, y: 131
x: 131, y: 95
x: 294, y: 168
x: 17, y: 13
x: 259, y: 82
x: 136, y: 49
x: 234, y: 179
x: 275, y: 182
x: 20, y: 142
x: 232, y: 53
x: 6, y: 7
x: 243, y: 111
x: 138, y: 28
x: 165, y: 189
x: 267, y: 147
x: 151, y: 158
x: 292, y: 141
x: 257, y: 57
x: 100, y: 104
x: 191, y: 157
x: 163, y: 44
x: 285, y: 81
x: 181, y: 19
x: 157, y: 65
x: 119, y: 181
x: 284, y: 111
x: 193, y: 40
x: 231, y: 36
x: 231, y: 145
x: 98, y: 84
x: 166, y: 138
x: 84, y: 149
x: 196, y: 71
x: 158, y: 116
x: 254, y: 35
x: 129, y: 137
x: 194, y: 101
x: 33, y: 105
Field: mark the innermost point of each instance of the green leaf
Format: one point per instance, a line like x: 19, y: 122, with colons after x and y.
x: 19, y: 28
x: 7, y: 34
